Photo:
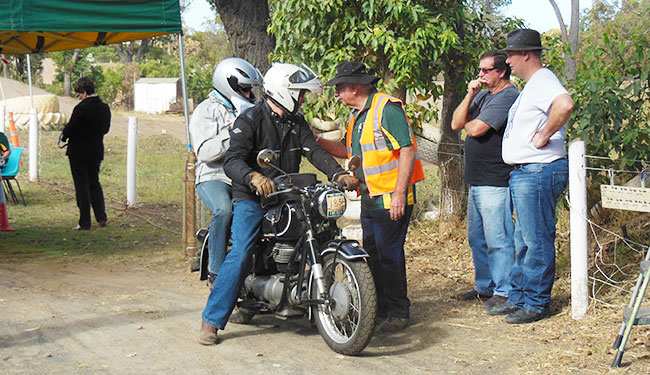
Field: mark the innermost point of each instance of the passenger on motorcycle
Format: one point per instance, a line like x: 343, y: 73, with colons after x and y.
x: 232, y: 81
x: 273, y: 123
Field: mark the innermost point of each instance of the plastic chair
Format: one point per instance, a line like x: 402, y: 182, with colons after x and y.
x: 9, y: 172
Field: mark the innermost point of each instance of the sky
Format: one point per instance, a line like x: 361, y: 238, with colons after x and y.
x: 538, y: 14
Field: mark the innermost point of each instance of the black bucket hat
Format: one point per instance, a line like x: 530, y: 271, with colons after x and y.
x: 523, y: 40
x: 352, y: 72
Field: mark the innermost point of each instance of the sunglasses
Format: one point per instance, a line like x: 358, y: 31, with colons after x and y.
x: 485, y: 71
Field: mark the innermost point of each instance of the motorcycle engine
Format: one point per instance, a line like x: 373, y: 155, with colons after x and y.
x: 281, y: 253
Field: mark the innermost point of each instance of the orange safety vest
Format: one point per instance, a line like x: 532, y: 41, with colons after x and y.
x: 379, y: 162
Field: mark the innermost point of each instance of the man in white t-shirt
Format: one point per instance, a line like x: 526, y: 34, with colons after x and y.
x: 533, y: 143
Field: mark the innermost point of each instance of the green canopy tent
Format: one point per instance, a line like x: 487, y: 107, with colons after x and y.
x: 40, y: 26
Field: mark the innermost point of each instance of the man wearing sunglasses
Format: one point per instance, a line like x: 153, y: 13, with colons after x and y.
x: 490, y: 228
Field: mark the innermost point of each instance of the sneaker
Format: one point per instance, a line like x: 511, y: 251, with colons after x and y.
x: 79, y: 227
x: 495, y: 300
x: 524, y: 315
x: 208, y: 334
x: 394, y: 324
x: 472, y: 295
x: 103, y: 223
x: 502, y: 309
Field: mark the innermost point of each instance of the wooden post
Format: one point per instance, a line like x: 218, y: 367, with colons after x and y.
x: 578, y: 224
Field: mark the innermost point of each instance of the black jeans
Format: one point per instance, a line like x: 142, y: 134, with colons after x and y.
x: 384, y: 239
x: 88, y: 190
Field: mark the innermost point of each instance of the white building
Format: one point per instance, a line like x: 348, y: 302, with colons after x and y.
x: 158, y: 95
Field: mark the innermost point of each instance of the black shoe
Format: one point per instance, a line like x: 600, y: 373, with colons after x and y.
x: 472, y: 295
x: 394, y: 324
x: 502, y: 309
x: 524, y: 315
x: 495, y: 300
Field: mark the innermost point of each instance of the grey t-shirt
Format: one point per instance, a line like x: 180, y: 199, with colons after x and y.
x: 483, y: 163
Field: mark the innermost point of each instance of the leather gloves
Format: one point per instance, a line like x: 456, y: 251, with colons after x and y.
x: 263, y: 185
x: 351, y: 182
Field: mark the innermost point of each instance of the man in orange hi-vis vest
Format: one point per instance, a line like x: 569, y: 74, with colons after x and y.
x: 379, y: 132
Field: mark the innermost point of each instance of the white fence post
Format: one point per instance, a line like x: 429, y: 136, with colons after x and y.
x: 131, y: 160
x: 33, y: 144
x: 578, y: 228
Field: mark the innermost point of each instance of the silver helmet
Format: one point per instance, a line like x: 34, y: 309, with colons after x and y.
x: 234, y: 74
x: 284, y: 82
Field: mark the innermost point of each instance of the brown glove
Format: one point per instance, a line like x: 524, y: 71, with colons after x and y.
x: 351, y: 182
x: 263, y: 185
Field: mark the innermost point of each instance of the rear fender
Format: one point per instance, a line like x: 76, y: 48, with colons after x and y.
x: 203, y: 236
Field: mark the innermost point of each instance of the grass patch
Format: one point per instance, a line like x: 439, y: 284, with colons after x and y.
x: 44, y: 226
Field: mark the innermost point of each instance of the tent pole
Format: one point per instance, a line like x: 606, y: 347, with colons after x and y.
x: 189, y: 239
x: 33, y: 128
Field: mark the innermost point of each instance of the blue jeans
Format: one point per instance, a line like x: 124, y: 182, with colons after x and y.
x: 216, y: 195
x: 490, y: 232
x: 246, y: 223
x: 383, y: 239
x: 535, y: 190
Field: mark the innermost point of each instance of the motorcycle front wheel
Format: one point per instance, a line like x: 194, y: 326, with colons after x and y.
x: 348, y: 322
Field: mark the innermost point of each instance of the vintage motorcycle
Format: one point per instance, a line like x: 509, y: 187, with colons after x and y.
x: 302, y: 265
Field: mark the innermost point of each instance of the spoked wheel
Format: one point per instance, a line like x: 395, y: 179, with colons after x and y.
x: 348, y: 322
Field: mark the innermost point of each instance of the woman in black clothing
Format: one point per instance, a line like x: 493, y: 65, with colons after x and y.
x: 90, y: 120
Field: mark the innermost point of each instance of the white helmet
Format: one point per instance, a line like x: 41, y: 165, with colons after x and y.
x: 284, y: 82
x: 233, y: 74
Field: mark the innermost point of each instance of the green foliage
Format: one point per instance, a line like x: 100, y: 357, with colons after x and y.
x: 401, y: 41
x: 610, y: 94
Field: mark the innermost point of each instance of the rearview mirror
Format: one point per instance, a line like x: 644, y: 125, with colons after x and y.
x: 265, y: 157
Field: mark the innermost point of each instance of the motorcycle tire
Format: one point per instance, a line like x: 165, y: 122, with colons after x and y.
x: 348, y: 324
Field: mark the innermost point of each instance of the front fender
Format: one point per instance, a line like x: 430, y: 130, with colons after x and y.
x: 349, y: 249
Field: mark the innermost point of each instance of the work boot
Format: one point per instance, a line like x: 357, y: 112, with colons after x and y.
x: 208, y: 334
x: 524, y: 315
x: 502, y: 309
x: 495, y: 300
x: 394, y: 324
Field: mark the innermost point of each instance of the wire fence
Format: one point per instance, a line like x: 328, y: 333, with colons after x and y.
x: 614, y: 257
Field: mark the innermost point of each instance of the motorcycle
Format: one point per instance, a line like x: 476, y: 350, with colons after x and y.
x: 302, y: 265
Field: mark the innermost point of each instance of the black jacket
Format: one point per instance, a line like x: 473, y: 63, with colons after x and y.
x: 90, y: 120
x: 258, y: 128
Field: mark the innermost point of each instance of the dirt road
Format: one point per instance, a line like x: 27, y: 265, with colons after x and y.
x: 144, y: 318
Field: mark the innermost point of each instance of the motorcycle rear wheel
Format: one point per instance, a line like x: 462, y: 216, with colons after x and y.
x: 347, y: 324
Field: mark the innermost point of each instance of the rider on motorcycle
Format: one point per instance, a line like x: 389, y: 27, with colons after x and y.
x: 275, y: 124
x: 232, y: 81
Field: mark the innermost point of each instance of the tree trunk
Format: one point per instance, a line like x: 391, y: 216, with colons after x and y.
x: 67, y: 73
x: 246, y: 22
x: 569, y: 37
x: 450, y: 159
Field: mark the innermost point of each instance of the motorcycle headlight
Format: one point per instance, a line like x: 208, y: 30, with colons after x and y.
x: 331, y: 203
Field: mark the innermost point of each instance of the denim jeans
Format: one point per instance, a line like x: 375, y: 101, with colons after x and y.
x: 216, y: 195
x: 490, y: 232
x: 246, y: 223
x: 383, y: 239
x: 535, y: 190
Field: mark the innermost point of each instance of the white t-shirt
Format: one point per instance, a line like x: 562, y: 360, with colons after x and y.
x: 527, y: 116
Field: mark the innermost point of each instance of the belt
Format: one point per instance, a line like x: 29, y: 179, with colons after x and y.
x: 517, y: 166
